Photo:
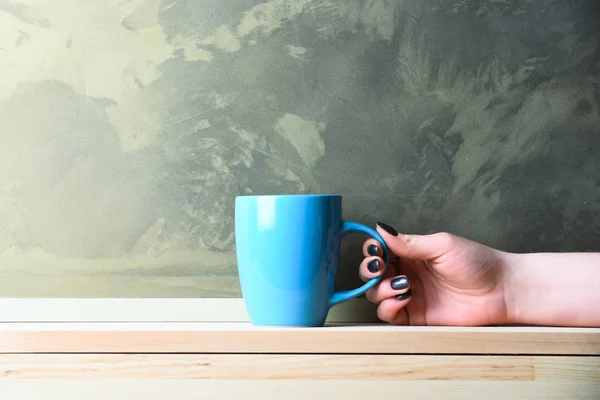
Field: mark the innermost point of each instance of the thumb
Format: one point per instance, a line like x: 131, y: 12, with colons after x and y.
x: 416, y: 247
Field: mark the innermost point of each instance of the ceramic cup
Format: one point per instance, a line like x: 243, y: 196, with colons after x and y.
x: 288, y: 249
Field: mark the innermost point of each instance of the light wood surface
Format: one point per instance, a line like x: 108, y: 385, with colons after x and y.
x: 244, y: 338
x: 157, y: 361
x: 275, y: 377
x: 301, y: 389
x: 299, y: 367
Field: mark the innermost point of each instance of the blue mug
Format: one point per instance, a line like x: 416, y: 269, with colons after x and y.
x: 288, y: 248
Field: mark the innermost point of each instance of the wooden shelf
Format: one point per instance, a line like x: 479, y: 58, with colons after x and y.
x: 242, y: 338
x: 121, y: 361
x: 300, y: 367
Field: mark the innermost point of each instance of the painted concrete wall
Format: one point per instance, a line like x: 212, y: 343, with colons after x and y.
x: 127, y: 128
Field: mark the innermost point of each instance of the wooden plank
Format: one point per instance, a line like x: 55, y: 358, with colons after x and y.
x: 292, y: 366
x: 244, y: 338
x: 301, y: 389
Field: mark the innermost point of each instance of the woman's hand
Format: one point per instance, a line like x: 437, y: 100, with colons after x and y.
x: 438, y: 279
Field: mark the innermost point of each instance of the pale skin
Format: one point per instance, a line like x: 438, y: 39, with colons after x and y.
x: 444, y: 279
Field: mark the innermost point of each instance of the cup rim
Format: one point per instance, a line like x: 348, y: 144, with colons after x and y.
x: 312, y: 195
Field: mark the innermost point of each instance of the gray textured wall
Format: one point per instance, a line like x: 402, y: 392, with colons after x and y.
x: 127, y: 128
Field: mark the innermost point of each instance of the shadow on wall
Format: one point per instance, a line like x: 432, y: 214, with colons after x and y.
x: 128, y: 129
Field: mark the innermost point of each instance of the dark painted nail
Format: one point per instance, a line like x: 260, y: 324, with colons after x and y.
x: 373, y: 250
x: 400, y: 283
x: 388, y: 228
x: 373, y: 266
x: 405, y: 296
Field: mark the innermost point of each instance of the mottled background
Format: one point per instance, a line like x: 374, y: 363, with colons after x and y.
x: 128, y: 127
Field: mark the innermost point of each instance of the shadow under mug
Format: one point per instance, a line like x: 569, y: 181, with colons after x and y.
x: 288, y: 250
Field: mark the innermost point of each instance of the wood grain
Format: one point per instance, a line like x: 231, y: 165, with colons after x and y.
x: 279, y: 366
x: 298, y: 367
x: 244, y: 338
x: 214, y: 389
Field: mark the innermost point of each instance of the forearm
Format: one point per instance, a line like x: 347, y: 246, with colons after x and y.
x: 558, y: 289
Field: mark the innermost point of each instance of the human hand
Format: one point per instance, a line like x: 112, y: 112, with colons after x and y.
x: 438, y: 279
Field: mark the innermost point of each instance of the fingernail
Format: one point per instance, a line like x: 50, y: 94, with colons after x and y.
x: 400, y: 283
x: 388, y: 228
x: 373, y: 266
x: 405, y: 296
x: 373, y: 250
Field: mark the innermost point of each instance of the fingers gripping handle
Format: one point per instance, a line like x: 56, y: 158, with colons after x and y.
x: 355, y: 227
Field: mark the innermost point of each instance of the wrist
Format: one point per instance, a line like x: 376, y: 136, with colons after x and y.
x: 536, y: 289
x: 553, y: 289
x: 510, y: 286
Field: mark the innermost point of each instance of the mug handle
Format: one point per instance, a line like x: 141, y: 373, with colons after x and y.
x: 355, y: 227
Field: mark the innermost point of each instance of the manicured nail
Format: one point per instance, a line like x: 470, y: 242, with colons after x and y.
x: 388, y: 228
x: 400, y: 283
x: 373, y: 266
x: 373, y: 250
x: 405, y: 296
